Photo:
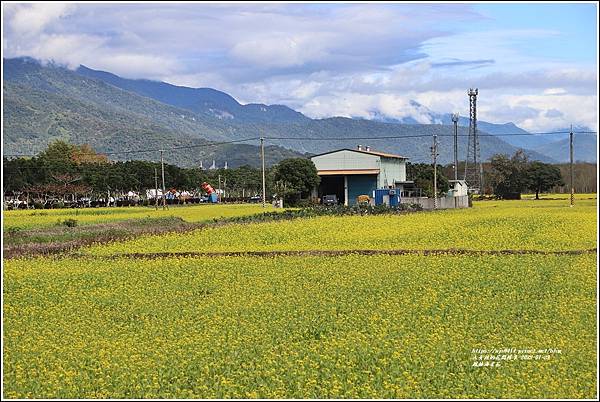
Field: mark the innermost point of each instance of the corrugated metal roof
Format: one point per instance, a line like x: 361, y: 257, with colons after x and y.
x: 386, y: 155
x: 362, y: 151
x: 347, y: 172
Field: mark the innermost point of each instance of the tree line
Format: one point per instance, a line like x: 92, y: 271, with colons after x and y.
x: 506, y: 177
x: 65, y: 169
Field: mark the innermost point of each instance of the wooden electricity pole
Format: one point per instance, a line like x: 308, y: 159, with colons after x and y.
x: 162, y: 166
x: 219, y: 191
x: 155, y: 189
x: 455, y: 121
x: 434, y: 154
x: 262, y: 158
x: 571, y: 165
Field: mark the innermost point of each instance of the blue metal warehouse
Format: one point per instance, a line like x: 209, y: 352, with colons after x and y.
x: 349, y: 173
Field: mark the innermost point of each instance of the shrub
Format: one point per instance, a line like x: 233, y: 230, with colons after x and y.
x: 322, y: 210
x: 13, y: 230
x: 305, y: 203
x: 71, y: 223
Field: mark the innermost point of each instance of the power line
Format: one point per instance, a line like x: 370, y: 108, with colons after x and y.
x: 313, y: 139
x: 421, y: 136
x: 152, y: 149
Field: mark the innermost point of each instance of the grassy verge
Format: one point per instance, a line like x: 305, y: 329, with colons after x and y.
x: 67, y: 235
x: 46, y: 218
x: 62, y: 238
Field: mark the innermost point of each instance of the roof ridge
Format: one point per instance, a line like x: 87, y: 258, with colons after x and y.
x: 376, y: 153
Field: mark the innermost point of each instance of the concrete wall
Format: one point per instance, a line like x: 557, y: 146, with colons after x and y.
x: 344, y: 159
x: 442, y: 202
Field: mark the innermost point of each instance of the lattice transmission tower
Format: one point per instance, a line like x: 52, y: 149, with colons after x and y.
x: 473, y: 165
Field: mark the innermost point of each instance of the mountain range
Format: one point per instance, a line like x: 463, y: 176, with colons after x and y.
x: 43, y: 102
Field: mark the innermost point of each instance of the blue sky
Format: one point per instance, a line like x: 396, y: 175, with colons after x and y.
x: 534, y: 64
x: 576, y: 24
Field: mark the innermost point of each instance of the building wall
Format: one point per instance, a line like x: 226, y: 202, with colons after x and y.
x: 392, y: 170
x: 343, y: 160
x: 359, y: 185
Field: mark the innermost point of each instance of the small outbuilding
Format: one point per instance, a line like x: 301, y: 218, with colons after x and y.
x: 349, y: 173
x: 458, y: 188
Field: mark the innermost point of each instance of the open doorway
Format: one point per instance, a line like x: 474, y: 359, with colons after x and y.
x: 332, y: 185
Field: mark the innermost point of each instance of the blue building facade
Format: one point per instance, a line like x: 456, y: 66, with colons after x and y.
x: 349, y: 173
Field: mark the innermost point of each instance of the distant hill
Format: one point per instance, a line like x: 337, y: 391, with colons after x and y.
x: 585, y: 148
x: 523, y: 140
x: 44, y: 102
x: 199, y: 100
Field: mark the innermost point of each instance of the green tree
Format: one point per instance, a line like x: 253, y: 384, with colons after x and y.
x: 57, y: 158
x: 509, y: 176
x: 296, y: 177
x: 542, y: 177
x: 422, y: 175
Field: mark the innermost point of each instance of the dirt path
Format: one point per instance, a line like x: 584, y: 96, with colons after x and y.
x: 334, y: 253
x: 57, y: 240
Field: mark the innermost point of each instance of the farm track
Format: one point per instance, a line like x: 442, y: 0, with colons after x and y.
x: 335, y: 253
x: 26, y: 244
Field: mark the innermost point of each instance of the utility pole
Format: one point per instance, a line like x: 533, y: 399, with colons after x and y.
x: 571, y: 165
x: 219, y: 190
x: 455, y: 121
x: 262, y: 158
x: 434, y: 155
x: 162, y: 167
x: 155, y: 189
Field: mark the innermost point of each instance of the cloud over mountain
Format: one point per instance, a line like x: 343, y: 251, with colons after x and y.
x: 334, y: 59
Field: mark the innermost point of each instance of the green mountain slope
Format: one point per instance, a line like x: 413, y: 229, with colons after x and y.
x: 220, y: 109
x: 585, y: 148
x: 42, y: 103
x: 206, y: 101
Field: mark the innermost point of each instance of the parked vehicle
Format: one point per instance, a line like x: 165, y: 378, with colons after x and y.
x: 330, y: 199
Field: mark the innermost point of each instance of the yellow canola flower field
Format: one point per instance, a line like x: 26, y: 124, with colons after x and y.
x: 29, y: 219
x: 354, y: 326
x: 288, y: 327
x: 490, y: 225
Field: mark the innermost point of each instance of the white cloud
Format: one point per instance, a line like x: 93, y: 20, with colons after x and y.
x: 554, y: 91
x: 31, y: 19
x: 67, y: 49
x: 322, y: 59
x: 574, y: 109
x: 279, y: 51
